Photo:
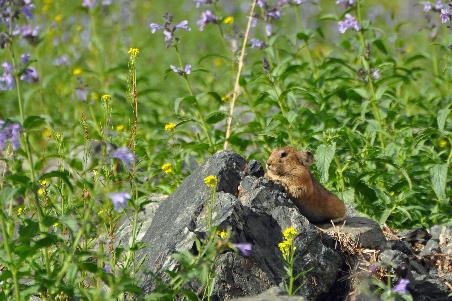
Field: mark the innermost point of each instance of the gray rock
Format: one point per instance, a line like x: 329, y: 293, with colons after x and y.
x: 272, y: 294
x: 363, y: 230
x: 431, y: 247
x: 256, y: 213
x: 254, y: 168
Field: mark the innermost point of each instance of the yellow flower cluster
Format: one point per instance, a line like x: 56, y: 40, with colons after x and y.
x: 211, y: 181
x: 133, y: 52
x: 120, y: 128
x: 286, y: 246
x: 167, y: 168
x: 77, y: 71
x: 170, y: 126
x: 223, y: 234
x: 228, y: 20
x: 106, y: 97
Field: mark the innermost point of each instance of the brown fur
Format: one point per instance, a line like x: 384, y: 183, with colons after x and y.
x: 290, y: 168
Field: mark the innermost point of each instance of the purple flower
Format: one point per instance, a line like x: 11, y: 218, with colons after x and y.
x: 89, y: 3
x: 154, y: 27
x: 125, y: 155
x: 346, y: 3
x: 169, y: 29
x: 445, y: 16
x: 10, y: 132
x: 25, y: 58
x: 27, y: 9
x: 244, y: 248
x: 268, y: 29
x: 206, y: 18
x: 28, y: 32
x: 256, y: 43
x: 119, y: 200
x: 349, y: 23
x: 439, y: 5
x: 187, y: 70
x: 107, y: 269
x: 253, y: 21
x: 7, y: 79
x: 81, y: 94
x: 61, y: 61
x: 30, y: 75
x: 273, y: 14
x: 401, y: 286
x: 376, y: 74
x: 183, y: 25
x: 262, y: 3
x: 427, y: 6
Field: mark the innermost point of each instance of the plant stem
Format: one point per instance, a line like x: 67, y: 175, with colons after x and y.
x: 236, y: 90
x: 10, y: 256
x: 190, y: 90
x: 365, y: 63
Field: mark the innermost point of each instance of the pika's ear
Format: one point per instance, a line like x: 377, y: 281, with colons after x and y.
x: 306, y: 158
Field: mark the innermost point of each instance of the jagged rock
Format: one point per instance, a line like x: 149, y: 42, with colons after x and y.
x: 366, y: 232
x: 256, y: 213
x: 272, y: 294
x: 144, y: 220
x: 431, y: 247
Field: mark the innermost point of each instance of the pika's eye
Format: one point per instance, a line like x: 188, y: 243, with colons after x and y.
x: 283, y: 154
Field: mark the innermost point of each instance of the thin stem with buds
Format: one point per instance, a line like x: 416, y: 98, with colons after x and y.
x: 236, y: 91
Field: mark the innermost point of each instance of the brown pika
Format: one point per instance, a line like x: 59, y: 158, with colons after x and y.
x: 290, y: 168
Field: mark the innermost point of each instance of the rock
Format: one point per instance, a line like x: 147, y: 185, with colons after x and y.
x: 399, y: 245
x: 272, y: 294
x: 366, y: 232
x: 257, y: 215
x: 254, y: 168
x: 431, y: 247
x: 144, y: 220
x: 419, y: 235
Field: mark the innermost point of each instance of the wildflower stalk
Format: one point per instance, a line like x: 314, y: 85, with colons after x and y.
x: 365, y: 63
x: 236, y: 90
x: 11, y: 266
x: 308, y: 50
x: 190, y: 90
x: 133, y: 52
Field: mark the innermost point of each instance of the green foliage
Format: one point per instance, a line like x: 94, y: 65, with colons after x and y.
x: 373, y: 105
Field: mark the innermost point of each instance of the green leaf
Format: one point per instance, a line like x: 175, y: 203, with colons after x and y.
x: 215, y: 117
x: 362, y: 92
x: 381, y: 46
x: 33, y: 122
x: 323, y: 157
x: 7, y: 193
x: 439, y: 176
x: 190, y: 100
x: 19, y: 179
x: 442, y: 117
x: 63, y: 175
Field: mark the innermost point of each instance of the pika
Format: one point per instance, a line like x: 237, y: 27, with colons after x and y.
x: 290, y: 168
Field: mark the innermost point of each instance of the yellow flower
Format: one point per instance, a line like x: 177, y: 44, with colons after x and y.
x: 284, y: 247
x: 101, y: 211
x: 56, y: 225
x: 228, y: 20
x: 443, y: 143
x: 94, y: 96
x: 391, y: 193
x: 20, y: 211
x: 290, y: 233
x: 167, y: 168
x: 170, y: 126
x: 223, y: 234
x: 120, y: 127
x: 225, y: 98
x: 44, y: 183
x: 106, y: 97
x: 211, y: 181
x: 41, y: 191
x: 77, y: 71
x: 58, y: 18
x: 134, y: 52
x: 47, y: 133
